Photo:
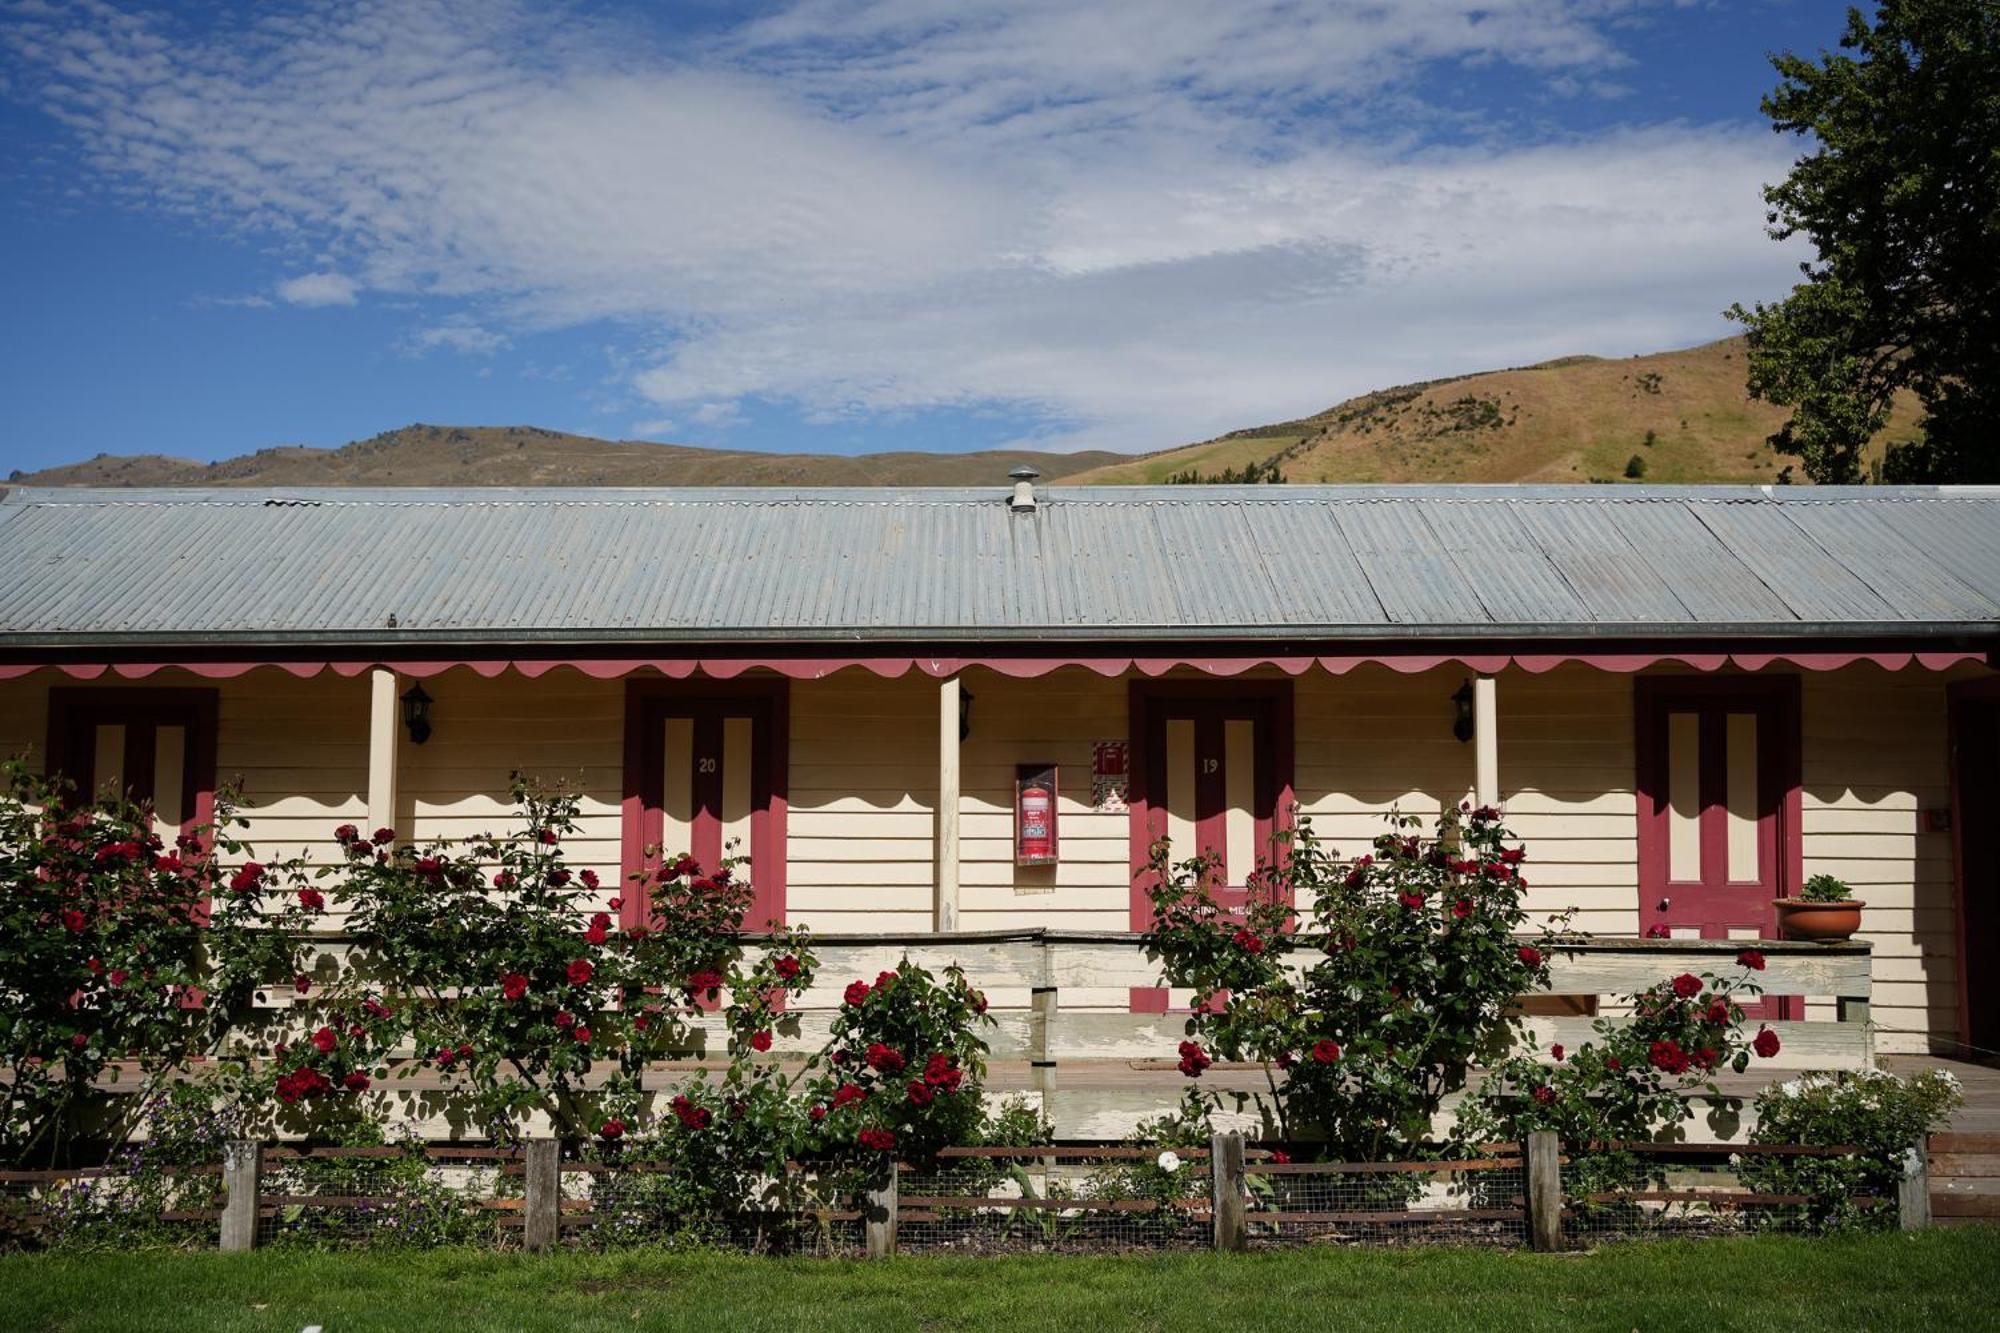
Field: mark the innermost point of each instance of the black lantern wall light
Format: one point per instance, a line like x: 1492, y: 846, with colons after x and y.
x: 417, y: 714
x: 1462, y: 724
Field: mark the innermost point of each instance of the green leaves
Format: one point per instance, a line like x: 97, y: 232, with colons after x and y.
x: 1900, y: 196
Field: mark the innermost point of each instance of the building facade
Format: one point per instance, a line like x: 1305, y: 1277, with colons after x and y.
x: 1686, y: 701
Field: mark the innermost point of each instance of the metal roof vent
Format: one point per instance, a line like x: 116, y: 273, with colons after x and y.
x: 1023, y: 500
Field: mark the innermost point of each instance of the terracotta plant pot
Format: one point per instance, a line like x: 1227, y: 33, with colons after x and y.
x: 1799, y: 919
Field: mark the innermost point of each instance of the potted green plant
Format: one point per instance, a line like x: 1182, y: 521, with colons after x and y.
x: 1825, y: 909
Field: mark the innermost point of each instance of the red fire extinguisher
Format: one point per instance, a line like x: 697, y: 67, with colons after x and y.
x: 1035, y: 815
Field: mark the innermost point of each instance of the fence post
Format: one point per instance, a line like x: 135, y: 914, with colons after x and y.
x: 1913, y: 1191
x: 242, y: 1183
x: 1544, y: 1190
x: 541, y: 1209
x: 1225, y: 1164
x: 878, y: 1208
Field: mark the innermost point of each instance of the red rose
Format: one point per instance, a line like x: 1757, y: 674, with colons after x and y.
x: 818, y: 1113
x: 383, y: 837
x: 1706, y: 1057
x: 879, y: 1140
x: 579, y: 972
x: 118, y: 975
x: 1193, y: 1059
x: 1613, y: 1063
x: 311, y: 900
x: 1718, y: 1011
x: 1766, y: 1044
x: 611, y: 1130
x: 513, y: 985
x: 1667, y: 1056
x: 548, y: 837
x: 787, y: 967
x: 1413, y: 901
x: 1249, y: 943
x: 979, y: 1002
x: 80, y: 1040
x: 582, y: 1035
x: 920, y: 1092
x: 247, y: 879
x: 564, y: 1018
x: 74, y: 919
x: 346, y: 833
x: 356, y: 1082
x: 1461, y: 909
x: 884, y: 980
x: 600, y: 929
x: 885, y: 1059
x: 95, y: 966
x: 1751, y: 959
x: 761, y: 1041
x: 686, y: 865
x: 690, y: 1115
x: 1545, y: 1094
x: 1325, y: 1051
x: 1513, y: 855
x: 641, y: 1023
x: 591, y: 881
x: 856, y: 992
x: 1687, y: 985
x: 707, y: 980
x: 326, y: 1039
x: 1556, y: 1052
x: 1279, y: 1157
x: 847, y: 1094
x: 445, y: 1055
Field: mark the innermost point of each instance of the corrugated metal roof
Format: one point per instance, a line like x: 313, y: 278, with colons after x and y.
x: 1249, y: 562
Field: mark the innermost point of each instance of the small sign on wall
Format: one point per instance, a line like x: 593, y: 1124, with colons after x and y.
x: 1108, y: 775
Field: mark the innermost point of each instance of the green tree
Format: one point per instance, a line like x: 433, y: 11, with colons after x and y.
x: 1901, y: 199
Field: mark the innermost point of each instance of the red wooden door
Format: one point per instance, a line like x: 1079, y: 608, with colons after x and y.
x: 1212, y: 773
x: 706, y: 776
x: 1975, y: 775
x: 1718, y: 792
x: 155, y: 747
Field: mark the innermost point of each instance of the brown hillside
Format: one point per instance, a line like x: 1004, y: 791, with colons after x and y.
x: 527, y: 456
x: 1685, y: 415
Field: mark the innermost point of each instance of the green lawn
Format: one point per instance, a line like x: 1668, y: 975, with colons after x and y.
x: 1939, y: 1280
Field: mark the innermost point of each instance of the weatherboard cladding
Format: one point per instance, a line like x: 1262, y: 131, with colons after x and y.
x: 1110, y: 562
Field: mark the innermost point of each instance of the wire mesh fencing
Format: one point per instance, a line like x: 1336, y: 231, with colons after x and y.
x: 131, y: 1202
x: 1478, y: 1201
x: 992, y: 1200
x: 635, y: 1201
x: 410, y: 1195
x: 1633, y: 1191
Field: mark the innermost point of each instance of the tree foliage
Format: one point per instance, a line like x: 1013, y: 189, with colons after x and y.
x: 1901, y: 200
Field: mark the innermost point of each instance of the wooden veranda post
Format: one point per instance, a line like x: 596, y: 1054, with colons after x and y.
x: 541, y: 1209
x: 1225, y: 1161
x: 242, y: 1183
x: 878, y: 1209
x: 1544, y: 1192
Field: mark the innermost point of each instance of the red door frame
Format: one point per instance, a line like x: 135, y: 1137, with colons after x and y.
x: 648, y: 704
x: 1269, y: 700
x: 1778, y: 780
x: 1956, y: 695
x: 76, y: 712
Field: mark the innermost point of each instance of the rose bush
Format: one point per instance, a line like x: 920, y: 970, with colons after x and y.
x: 1411, y: 965
x: 1629, y: 1084
x: 123, y: 956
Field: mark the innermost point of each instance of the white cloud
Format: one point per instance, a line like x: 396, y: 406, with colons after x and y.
x: 1140, y: 222
x: 312, y: 289
x: 458, y: 334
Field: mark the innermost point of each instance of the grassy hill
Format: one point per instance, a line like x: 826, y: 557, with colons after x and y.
x: 528, y: 456
x: 1672, y: 417
x: 1685, y: 417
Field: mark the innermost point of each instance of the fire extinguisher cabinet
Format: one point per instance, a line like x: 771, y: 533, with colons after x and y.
x: 1035, y: 838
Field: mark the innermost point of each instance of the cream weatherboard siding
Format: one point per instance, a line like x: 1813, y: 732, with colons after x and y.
x: 863, y: 782
x: 1874, y: 759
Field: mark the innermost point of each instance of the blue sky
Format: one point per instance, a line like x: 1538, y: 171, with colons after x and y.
x: 846, y: 225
